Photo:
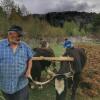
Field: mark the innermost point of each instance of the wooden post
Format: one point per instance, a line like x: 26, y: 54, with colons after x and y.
x: 54, y: 58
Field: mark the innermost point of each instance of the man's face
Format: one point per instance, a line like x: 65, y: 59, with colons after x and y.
x: 13, y: 37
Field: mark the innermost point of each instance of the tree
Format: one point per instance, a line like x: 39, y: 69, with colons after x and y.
x: 14, y: 16
x: 7, y: 6
x: 96, y: 24
x: 2, y: 13
x: 19, y: 11
x: 24, y: 10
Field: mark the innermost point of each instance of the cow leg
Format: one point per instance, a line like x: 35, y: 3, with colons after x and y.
x: 61, y: 96
x: 76, y: 80
x: 36, y: 76
x: 39, y: 77
x: 70, y: 82
x: 61, y: 89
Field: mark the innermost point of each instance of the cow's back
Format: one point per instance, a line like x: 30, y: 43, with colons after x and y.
x: 45, y: 52
x: 83, y: 56
x: 79, y: 56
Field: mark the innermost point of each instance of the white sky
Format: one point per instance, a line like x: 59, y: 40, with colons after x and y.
x: 44, y: 6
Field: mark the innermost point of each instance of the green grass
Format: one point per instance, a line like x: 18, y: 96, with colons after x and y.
x: 58, y: 49
x: 48, y: 93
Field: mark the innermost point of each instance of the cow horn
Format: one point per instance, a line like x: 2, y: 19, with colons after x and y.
x: 41, y: 83
x: 51, y: 73
x: 67, y: 75
x: 53, y: 76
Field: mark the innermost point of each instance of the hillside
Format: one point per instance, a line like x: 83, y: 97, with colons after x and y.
x: 55, y: 24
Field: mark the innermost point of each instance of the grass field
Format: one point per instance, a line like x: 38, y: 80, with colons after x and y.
x: 48, y: 92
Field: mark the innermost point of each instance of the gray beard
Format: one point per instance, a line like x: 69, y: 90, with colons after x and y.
x: 15, y: 42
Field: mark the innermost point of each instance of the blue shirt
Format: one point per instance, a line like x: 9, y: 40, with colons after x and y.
x: 68, y: 44
x: 13, y: 66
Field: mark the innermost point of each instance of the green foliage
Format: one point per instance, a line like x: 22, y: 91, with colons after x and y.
x: 96, y: 24
x: 2, y: 13
x: 34, y: 27
x: 14, y: 16
x: 37, y: 28
x: 71, y: 28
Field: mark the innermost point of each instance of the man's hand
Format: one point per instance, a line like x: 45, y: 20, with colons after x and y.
x: 28, y: 74
x: 29, y: 67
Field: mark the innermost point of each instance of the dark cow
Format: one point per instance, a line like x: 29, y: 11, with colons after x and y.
x: 39, y: 66
x: 75, y: 67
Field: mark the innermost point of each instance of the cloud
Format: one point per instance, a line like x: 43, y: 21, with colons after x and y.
x: 44, y: 6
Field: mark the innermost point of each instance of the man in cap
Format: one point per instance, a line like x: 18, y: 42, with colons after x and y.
x: 67, y: 44
x: 15, y: 65
x: 71, y: 51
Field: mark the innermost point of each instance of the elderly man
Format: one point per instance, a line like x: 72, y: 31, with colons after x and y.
x: 15, y: 65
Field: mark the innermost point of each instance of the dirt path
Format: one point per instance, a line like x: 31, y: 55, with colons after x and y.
x: 91, y: 74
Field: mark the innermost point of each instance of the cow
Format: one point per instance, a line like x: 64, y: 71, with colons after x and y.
x: 69, y: 73
x: 38, y: 66
x: 75, y: 68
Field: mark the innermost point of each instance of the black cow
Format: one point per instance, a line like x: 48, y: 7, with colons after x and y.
x: 39, y: 66
x: 75, y: 67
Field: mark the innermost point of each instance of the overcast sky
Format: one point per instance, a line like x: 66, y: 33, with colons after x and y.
x: 44, y: 6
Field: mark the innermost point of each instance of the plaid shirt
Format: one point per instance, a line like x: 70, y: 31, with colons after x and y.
x: 13, y: 66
